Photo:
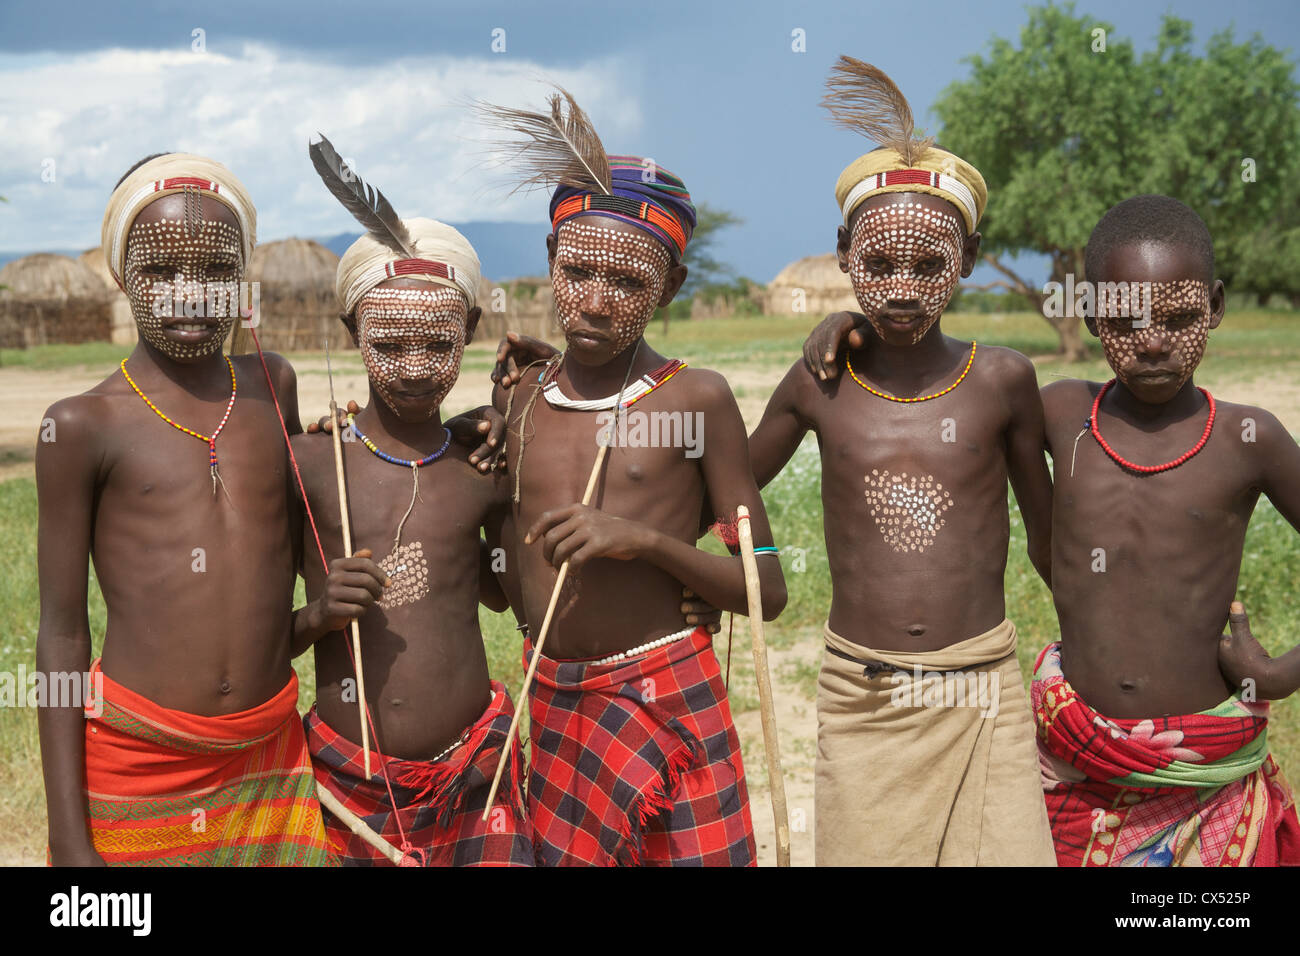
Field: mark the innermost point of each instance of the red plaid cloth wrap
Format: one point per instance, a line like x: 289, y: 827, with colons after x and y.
x: 1164, y: 791
x: 441, y: 803
x: 637, y: 762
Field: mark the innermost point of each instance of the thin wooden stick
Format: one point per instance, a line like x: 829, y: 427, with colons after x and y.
x: 358, y: 826
x: 541, y: 637
x: 771, y: 742
x: 347, y: 553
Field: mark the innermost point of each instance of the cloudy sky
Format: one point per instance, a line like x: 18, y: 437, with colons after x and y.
x: 713, y: 91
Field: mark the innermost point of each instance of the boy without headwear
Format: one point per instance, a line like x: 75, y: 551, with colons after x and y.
x: 440, y: 722
x: 171, y: 474
x: 634, y: 754
x: 925, y: 752
x: 1154, y: 745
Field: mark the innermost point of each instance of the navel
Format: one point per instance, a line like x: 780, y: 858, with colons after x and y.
x: 916, y: 630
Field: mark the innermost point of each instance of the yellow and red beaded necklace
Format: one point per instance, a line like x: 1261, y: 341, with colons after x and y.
x: 212, y: 441
x: 920, y: 398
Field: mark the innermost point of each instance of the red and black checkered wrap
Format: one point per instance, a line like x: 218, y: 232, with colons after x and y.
x: 441, y: 803
x: 637, y: 762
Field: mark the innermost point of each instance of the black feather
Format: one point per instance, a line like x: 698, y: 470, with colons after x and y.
x: 367, y: 204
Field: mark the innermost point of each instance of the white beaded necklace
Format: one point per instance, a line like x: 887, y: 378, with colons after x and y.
x: 637, y: 651
x: 625, y: 397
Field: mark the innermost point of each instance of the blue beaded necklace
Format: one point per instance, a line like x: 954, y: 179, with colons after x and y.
x: 405, y: 462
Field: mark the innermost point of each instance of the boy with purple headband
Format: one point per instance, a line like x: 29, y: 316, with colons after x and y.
x: 634, y: 754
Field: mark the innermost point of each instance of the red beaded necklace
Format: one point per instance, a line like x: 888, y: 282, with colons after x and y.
x: 1148, y: 469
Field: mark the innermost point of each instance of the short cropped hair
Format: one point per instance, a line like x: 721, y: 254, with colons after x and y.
x: 1150, y: 218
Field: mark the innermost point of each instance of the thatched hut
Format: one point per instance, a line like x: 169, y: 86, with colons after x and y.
x: 813, y: 285
x: 49, y: 298
x: 295, y: 280
x: 124, y: 330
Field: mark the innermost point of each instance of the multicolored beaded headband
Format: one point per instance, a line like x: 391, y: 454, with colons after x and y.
x: 644, y: 211
x: 911, y: 177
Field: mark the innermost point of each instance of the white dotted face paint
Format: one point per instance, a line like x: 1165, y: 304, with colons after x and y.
x: 609, y: 275
x: 905, y: 257
x: 1175, y: 340
x: 412, y: 341
x: 908, y: 510
x: 182, y: 279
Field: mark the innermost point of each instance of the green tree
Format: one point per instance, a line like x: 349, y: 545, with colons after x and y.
x: 703, y: 269
x: 1072, y: 121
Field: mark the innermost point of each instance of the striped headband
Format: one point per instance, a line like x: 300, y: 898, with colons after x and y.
x: 912, y: 177
x: 641, y: 193
x: 622, y: 208
x: 367, y: 280
x: 442, y: 256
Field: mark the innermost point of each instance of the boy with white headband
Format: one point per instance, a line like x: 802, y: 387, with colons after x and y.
x: 171, y: 475
x: 925, y: 744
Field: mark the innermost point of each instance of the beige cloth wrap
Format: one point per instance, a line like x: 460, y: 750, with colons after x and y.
x: 931, y: 785
x: 139, y: 189
x: 362, y: 266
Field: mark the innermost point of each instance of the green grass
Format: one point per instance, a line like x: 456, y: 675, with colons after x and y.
x: 45, y: 357
x: 1248, y: 346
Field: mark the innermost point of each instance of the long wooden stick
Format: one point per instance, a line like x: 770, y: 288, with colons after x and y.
x: 347, y: 553
x: 771, y: 743
x: 358, y: 826
x: 541, y: 637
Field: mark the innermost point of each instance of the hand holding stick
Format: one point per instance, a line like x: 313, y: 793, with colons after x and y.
x: 541, y: 638
x: 771, y: 742
x: 347, y: 553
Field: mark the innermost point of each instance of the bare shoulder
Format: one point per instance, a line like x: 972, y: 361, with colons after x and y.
x: 705, y: 388
x: 92, y: 409
x: 81, y: 415
x: 1065, y: 397
x: 311, y: 445
x: 70, y: 437
x: 281, y: 372
x: 1256, y: 425
x: 314, y: 453
x: 512, y: 401
x: 1005, y: 361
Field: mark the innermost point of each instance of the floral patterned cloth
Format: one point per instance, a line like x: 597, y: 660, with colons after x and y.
x: 1184, y: 790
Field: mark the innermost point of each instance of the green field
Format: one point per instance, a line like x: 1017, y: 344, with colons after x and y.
x: 1251, y: 358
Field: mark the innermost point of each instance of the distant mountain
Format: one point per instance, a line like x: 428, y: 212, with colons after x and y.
x: 507, y: 250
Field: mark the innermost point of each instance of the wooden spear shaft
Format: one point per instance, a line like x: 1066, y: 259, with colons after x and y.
x: 541, y: 637
x: 771, y: 743
x: 357, y: 825
x: 347, y: 553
